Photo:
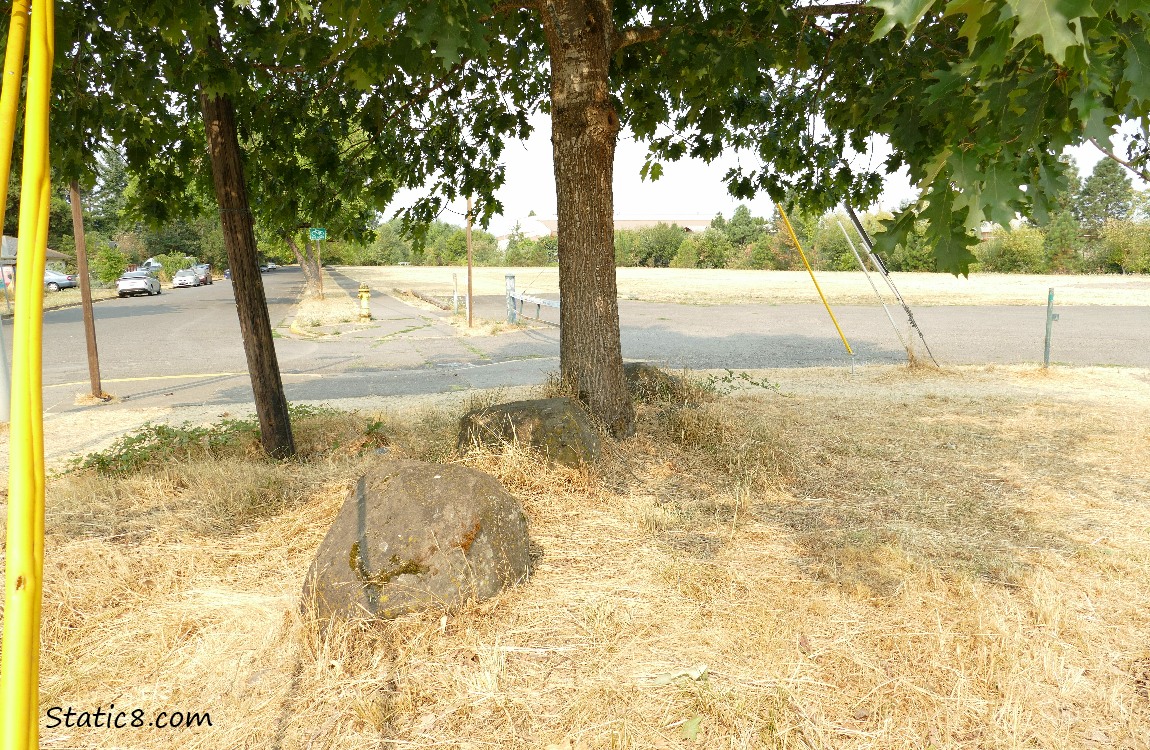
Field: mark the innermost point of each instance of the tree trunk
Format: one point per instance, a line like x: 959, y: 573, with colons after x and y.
x: 584, y: 128
x: 307, y: 263
x: 251, y: 305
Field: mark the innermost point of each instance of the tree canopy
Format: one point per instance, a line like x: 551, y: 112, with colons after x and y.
x: 977, y: 101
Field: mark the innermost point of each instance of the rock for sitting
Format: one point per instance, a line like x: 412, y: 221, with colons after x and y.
x: 556, y: 427
x: 413, y: 536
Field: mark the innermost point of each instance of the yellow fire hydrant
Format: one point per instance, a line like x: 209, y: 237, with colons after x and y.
x: 364, y: 302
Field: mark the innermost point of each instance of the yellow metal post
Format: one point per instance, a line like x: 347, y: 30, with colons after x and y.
x: 795, y: 239
x: 19, y: 663
x: 10, y: 95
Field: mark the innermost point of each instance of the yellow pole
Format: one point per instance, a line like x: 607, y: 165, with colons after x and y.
x: 20, y: 659
x: 795, y: 239
x: 10, y: 96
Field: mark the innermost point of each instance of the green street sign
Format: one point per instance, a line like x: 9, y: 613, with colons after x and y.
x: 317, y: 233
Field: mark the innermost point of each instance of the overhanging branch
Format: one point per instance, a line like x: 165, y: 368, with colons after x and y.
x: 835, y: 9
x: 1141, y: 172
x: 639, y: 35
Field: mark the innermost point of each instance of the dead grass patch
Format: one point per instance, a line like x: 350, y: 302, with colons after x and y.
x: 724, y: 287
x: 906, y: 559
x: 334, y: 308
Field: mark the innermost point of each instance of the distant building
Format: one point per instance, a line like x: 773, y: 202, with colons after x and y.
x: 8, y: 258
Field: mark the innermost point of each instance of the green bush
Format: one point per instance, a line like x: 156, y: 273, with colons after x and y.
x: 687, y: 255
x: 1125, y: 247
x: 109, y: 263
x: 171, y: 263
x: 1015, y: 251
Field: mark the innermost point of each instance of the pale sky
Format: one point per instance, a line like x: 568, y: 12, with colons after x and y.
x: 688, y: 188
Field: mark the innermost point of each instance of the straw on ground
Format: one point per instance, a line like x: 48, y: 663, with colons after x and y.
x: 903, y: 559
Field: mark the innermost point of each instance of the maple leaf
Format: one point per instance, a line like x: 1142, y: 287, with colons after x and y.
x: 906, y: 13
x: 1049, y: 19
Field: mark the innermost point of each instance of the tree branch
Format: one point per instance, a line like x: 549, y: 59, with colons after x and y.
x: 500, y: 8
x: 835, y: 9
x: 1143, y: 173
x: 639, y: 35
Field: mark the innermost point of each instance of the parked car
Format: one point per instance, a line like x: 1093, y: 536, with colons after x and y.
x: 137, y: 282
x: 204, y: 272
x: 228, y: 273
x: 185, y: 277
x: 271, y: 266
x: 54, y: 281
x: 151, y: 265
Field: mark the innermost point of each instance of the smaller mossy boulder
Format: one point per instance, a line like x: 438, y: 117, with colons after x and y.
x: 556, y: 427
x: 413, y: 536
x: 648, y: 384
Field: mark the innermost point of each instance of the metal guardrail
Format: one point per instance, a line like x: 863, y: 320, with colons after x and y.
x: 515, y: 311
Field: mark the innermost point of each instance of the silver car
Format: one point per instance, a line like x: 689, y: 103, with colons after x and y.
x: 137, y: 282
x: 185, y: 277
x: 54, y: 281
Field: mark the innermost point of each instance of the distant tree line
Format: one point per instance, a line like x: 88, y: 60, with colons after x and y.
x: 1102, y: 226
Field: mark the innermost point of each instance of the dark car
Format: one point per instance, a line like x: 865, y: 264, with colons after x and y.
x: 203, y: 273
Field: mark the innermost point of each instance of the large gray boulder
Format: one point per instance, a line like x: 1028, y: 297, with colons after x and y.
x: 414, y: 536
x: 556, y: 427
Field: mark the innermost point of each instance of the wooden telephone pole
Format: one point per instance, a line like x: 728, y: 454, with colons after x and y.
x: 85, y: 290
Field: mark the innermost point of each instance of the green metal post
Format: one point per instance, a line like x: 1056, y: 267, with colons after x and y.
x: 1050, y: 318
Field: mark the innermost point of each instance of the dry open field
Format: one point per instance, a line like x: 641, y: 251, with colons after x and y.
x: 905, y: 558
x: 712, y: 287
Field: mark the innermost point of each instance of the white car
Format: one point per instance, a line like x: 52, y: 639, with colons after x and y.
x: 137, y: 282
x: 185, y: 277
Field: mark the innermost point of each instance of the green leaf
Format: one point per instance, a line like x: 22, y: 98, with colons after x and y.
x: 975, y: 11
x: 952, y: 253
x: 1049, y: 19
x: 1000, y: 191
x: 690, y: 729
x: 905, y: 13
x: 1137, y: 70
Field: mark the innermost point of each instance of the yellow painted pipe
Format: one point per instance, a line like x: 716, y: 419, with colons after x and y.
x: 10, y: 94
x: 20, y: 659
x: 795, y: 239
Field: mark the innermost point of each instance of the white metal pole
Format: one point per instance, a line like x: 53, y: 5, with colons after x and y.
x: 882, y: 302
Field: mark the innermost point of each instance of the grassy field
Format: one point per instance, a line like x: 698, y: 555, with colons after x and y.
x: 63, y: 298
x: 905, y: 558
x: 712, y: 287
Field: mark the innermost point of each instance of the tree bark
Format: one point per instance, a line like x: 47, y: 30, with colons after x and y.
x: 308, y: 263
x: 251, y: 304
x: 584, y: 129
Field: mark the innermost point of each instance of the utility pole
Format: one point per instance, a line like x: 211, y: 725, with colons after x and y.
x: 470, y: 307
x: 85, y: 289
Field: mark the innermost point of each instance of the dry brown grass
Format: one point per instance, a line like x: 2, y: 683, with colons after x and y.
x: 63, y: 298
x: 336, y: 307
x: 718, y: 287
x: 904, y: 559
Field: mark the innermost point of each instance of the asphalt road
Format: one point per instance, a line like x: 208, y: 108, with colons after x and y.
x: 184, y: 347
